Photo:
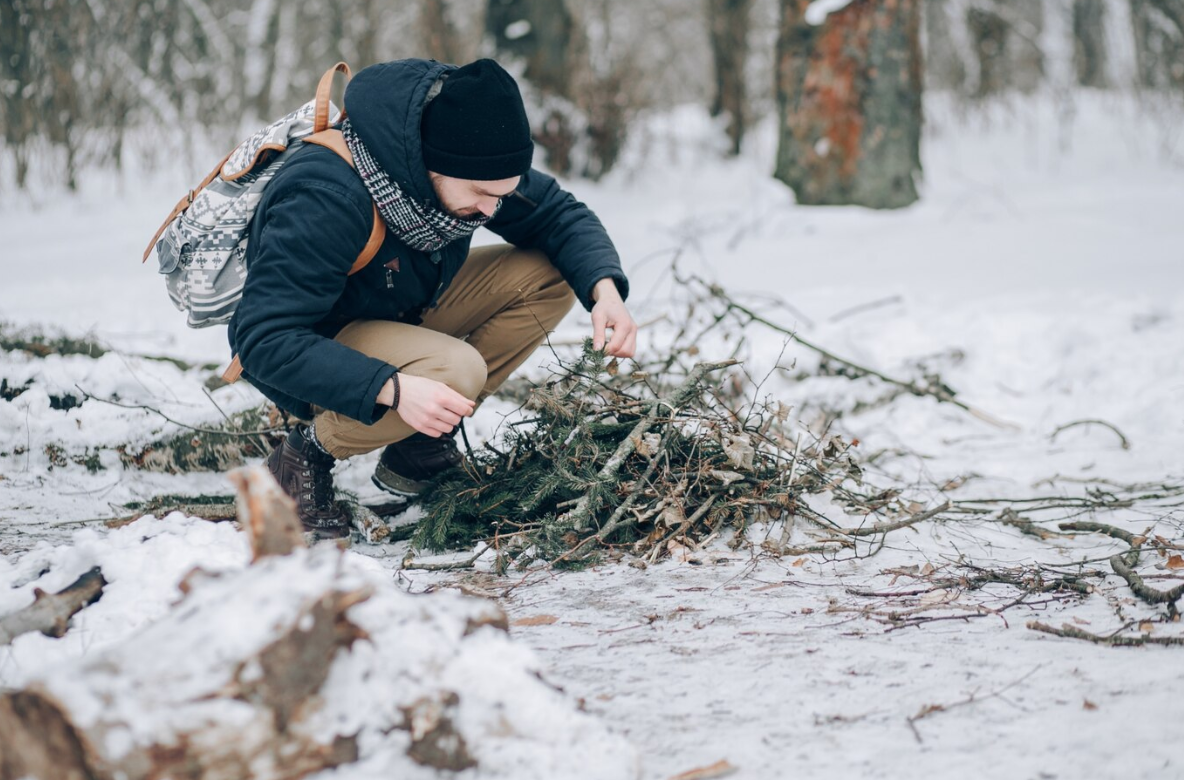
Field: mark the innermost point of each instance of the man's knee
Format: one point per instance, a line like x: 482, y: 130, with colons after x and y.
x: 460, y: 366
x: 546, y: 288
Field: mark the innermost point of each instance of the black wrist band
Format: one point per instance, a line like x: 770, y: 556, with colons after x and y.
x: 395, y: 402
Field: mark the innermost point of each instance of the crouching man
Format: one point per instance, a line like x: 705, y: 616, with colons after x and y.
x: 395, y: 355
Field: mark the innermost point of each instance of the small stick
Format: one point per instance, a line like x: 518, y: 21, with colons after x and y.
x: 467, y: 563
x: 703, y: 509
x: 912, y: 387
x: 787, y: 528
x: 1072, y: 632
x: 50, y: 613
x: 614, y: 520
x: 865, y: 307
x: 886, y: 527
x: 1124, y: 563
x: 933, y: 709
x: 1126, y: 444
x: 581, y: 514
x: 1123, y: 567
x: 154, y: 410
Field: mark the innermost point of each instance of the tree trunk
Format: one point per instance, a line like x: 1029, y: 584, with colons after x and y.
x: 538, y: 32
x: 988, y: 35
x: 728, y: 22
x: 439, y: 37
x: 1005, y: 37
x: 1025, y: 19
x: 15, y: 68
x: 1159, y: 42
x: 1089, y: 42
x: 849, y: 97
x: 944, y: 67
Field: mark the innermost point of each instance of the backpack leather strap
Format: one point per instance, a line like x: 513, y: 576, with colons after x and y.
x: 183, y: 204
x: 333, y: 140
x: 320, y: 123
x: 324, y: 87
x: 330, y: 139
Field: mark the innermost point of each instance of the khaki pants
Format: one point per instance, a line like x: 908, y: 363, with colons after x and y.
x: 497, y: 311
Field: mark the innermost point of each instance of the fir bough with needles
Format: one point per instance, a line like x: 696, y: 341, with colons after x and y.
x: 637, y: 461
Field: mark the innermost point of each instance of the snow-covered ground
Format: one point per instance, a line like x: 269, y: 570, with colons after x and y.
x: 1042, y: 275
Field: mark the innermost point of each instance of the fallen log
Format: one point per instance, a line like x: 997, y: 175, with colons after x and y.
x: 305, y: 660
x: 266, y: 513
x: 179, y: 701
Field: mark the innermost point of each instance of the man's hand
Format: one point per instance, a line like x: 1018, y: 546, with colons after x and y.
x: 426, y: 405
x: 609, y: 312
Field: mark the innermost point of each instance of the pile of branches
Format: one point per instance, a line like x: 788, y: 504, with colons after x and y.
x: 649, y: 463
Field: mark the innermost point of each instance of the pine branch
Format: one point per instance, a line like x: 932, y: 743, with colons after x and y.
x: 581, y: 515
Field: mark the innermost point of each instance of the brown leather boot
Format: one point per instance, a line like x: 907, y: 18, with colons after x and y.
x: 306, y: 474
x: 408, y: 467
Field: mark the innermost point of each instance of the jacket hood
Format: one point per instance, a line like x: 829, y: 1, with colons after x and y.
x: 384, y: 104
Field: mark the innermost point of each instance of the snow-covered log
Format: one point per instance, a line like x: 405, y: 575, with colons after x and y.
x: 297, y: 663
x: 266, y: 513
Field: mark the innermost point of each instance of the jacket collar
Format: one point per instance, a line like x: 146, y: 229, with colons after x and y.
x: 385, y: 104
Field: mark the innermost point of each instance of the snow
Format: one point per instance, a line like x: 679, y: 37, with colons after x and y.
x: 818, y: 10
x: 161, y: 677
x: 516, y: 30
x: 1040, y: 275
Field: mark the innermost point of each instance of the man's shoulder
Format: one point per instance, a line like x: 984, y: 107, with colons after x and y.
x: 314, y: 168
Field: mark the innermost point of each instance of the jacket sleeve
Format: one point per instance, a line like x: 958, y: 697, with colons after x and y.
x: 543, y: 216
x: 307, y: 241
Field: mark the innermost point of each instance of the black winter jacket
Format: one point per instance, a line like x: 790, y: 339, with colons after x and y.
x: 313, y: 221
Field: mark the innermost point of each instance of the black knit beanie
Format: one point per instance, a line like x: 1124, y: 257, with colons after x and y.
x: 476, y: 127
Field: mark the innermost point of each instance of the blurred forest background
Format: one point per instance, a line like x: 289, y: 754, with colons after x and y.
x: 86, y: 83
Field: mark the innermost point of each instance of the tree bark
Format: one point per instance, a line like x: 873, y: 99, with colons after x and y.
x: 1005, y: 38
x: 439, y: 38
x: 1089, y: 42
x: 1159, y: 42
x: 538, y: 32
x: 849, y: 98
x: 988, y: 35
x: 728, y: 22
x: 1025, y: 19
x: 944, y: 66
x: 16, y: 67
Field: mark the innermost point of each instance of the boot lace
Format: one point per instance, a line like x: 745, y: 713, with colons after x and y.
x: 318, y: 479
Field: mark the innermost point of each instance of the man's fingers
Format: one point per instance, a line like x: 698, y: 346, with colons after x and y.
x: 598, y: 323
x: 457, y: 404
x: 630, y: 347
x: 618, y: 339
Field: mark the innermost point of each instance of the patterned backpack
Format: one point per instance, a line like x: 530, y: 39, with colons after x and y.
x: 201, y: 246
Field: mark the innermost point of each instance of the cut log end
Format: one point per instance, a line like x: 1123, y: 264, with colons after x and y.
x: 266, y: 513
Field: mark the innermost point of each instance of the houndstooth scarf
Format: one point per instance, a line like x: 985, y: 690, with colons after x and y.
x: 419, y: 225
